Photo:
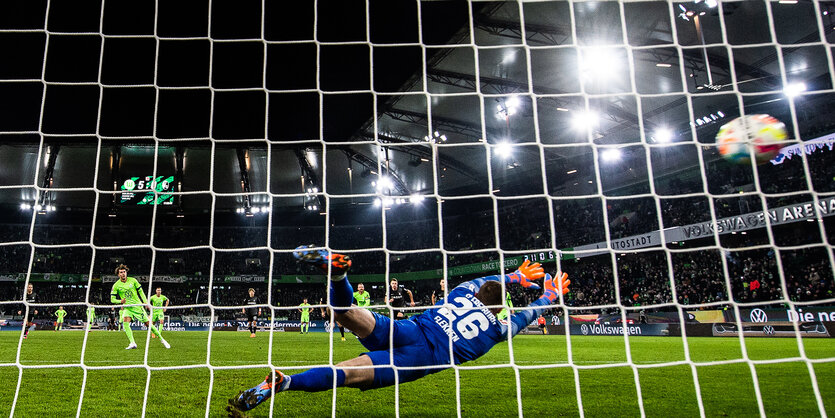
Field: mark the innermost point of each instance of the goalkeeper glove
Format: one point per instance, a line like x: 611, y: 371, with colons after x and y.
x: 525, y: 274
x: 555, y: 286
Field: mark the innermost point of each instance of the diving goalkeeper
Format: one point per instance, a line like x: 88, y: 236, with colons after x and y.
x: 421, y: 342
x: 128, y: 291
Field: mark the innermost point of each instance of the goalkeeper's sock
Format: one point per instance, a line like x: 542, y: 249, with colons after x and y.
x: 316, y: 380
x: 342, y: 293
x: 128, y: 331
x: 342, y: 331
x: 155, y: 331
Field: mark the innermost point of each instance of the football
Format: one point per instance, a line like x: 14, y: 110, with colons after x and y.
x: 760, y: 135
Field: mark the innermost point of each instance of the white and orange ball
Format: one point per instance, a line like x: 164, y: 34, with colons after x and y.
x: 764, y: 135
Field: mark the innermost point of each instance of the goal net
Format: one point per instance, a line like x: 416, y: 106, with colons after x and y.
x: 199, y: 143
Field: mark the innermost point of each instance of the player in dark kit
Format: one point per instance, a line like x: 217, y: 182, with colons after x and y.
x: 397, y: 299
x: 111, y: 320
x: 29, y: 318
x: 461, y: 330
x: 252, y: 313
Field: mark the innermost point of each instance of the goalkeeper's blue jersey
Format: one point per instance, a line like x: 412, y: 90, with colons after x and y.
x: 474, y: 330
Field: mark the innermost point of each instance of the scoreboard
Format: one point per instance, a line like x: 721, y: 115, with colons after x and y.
x: 140, y: 190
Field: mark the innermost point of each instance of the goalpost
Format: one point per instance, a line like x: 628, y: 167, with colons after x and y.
x: 642, y: 81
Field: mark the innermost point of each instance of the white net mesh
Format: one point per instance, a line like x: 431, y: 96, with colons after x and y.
x: 429, y: 140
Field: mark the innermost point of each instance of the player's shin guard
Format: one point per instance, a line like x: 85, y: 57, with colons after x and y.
x: 342, y: 293
x: 316, y: 380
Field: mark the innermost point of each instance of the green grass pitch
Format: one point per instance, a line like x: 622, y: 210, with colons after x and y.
x: 550, y: 391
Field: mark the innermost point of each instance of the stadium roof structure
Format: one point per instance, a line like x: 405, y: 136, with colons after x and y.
x: 155, y: 93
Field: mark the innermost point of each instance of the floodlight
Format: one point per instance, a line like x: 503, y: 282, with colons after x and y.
x: 663, y: 135
x: 611, y: 154
x: 600, y: 63
x: 385, y: 183
x: 583, y: 120
x: 503, y: 149
x: 794, y: 89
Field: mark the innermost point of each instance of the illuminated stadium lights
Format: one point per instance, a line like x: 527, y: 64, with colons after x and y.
x: 509, y: 57
x: 503, y: 149
x: 703, y: 120
x: 25, y: 206
x: 662, y: 135
x: 571, y: 172
x: 416, y: 199
x: 507, y: 107
x: 256, y: 209
x: 312, y: 207
x: 600, y: 63
x: 385, y: 183
x: 794, y: 89
x: 663, y: 65
x: 610, y: 154
x: 512, y: 102
x: 435, y: 138
x: 377, y: 202
x: 584, y: 120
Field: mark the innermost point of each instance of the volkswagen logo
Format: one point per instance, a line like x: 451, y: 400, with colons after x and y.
x: 584, y: 329
x: 768, y: 330
x: 758, y: 315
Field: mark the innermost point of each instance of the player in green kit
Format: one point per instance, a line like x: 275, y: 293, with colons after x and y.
x: 158, y: 315
x: 362, y: 297
x: 91, y: 317
x: 506, y: 311
x: 60, y: 313
x: 305, y: 310
x: 128, y: 291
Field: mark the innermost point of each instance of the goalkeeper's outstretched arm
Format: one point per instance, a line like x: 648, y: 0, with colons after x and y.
x: 553, y: 287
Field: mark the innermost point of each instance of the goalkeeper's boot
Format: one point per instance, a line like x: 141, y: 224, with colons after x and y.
x: 340, y: 263
x: 131, y: 346
x: 253, y: 397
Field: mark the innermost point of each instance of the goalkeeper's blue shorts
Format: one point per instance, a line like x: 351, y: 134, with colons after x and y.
x: 407, y: 344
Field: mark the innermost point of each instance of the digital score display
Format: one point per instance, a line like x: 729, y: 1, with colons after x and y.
x: 140, y: 190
